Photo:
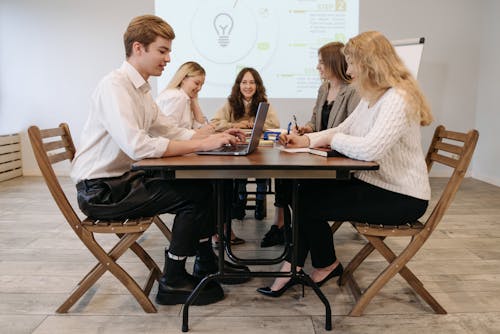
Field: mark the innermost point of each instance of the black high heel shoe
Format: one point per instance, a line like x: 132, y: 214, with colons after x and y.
x: 338, y: 271
x: 270, y: 293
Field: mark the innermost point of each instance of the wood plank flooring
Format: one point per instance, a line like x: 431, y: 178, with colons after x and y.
x: 41, y: 261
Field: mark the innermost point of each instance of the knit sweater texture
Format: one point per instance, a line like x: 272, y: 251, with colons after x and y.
x: 383, y: 133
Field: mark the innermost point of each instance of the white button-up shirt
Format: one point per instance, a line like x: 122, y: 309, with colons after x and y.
x: 176, y: 104
x: 124, y: 125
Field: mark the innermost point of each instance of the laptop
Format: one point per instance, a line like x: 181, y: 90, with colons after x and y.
x: 244, y: 149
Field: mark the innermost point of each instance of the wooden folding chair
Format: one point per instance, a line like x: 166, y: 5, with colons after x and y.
x: 55, y: 145
x: 449, y: 148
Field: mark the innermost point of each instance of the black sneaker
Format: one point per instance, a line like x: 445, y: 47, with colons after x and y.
x: 275, y: 236
x: 177, y: 292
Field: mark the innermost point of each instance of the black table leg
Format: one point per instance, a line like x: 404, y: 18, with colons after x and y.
x: 221, y: 216
x: 222, y: 188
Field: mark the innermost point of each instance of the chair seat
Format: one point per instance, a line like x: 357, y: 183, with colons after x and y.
x: 392, y: 230
x: 117, y: 226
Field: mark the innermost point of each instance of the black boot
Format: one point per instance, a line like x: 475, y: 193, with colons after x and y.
x: 206, y: 263
x: 260, y: 213
x: 176, y: 285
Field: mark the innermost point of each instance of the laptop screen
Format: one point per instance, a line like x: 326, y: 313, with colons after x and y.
x: 258, y: 126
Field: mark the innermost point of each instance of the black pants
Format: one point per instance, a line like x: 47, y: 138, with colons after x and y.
x: 139, y: 193
x: 321, y: 201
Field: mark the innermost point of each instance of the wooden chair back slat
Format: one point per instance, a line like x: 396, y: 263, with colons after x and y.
x: 458, y: 136
x: 54, y: 132
x: 54, y: 145
x: 449, y: 148
x: 450, y: 162
x: 45, y: 162
x: 58, y: 157
x: 460, y: 164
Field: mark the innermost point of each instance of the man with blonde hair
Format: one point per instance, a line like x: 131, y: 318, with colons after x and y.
x: 125, y: 125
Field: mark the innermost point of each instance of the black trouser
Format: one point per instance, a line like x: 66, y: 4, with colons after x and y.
x: 139, y: 193
x: 321, y: 201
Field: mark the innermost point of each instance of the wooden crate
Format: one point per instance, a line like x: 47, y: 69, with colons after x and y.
x: 10, y: 157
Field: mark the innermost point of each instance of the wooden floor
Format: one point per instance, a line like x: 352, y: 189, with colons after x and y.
x: 41, y: 261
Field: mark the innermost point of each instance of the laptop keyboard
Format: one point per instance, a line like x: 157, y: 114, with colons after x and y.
x: 230, y: 148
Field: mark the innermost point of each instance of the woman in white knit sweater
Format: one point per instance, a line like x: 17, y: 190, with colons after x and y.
x: 385, y: 128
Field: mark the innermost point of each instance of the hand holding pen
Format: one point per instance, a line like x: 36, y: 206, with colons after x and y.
x: 300, y: 130
x: 295, y: 129
x: 293, y: 140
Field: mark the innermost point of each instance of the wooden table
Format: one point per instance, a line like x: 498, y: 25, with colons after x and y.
x: 263, y: 163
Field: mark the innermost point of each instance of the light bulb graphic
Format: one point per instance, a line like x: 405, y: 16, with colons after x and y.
x: 223, y: 24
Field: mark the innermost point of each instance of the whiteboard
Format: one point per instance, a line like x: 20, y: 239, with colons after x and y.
x: 410, y: 52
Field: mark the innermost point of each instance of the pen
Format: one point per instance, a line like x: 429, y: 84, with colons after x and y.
x: 289, y: 127
x: 295, y: 122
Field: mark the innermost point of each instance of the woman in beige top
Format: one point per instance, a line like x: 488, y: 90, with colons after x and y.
x: 239, y: 112
x: 241, y: 106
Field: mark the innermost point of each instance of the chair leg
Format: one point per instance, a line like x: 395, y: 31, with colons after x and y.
x: 82, y: 287
x: 408, y: 275
x: 107, y: 261
x: 163, y: 228
x: 335, y: 226
x: 397, y: 264
x: 117, y: 251
x: 145, y: 258
x: 154, y: 271
x: 356, y: 262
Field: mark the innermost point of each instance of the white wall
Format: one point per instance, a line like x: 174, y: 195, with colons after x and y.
x: 449, y: 66
x: 487, y: 155
x: 53, y: 53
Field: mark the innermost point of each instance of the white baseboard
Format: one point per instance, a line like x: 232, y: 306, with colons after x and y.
x: 487, y: 178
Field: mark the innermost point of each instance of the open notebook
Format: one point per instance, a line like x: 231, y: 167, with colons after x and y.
x: 244, y: 149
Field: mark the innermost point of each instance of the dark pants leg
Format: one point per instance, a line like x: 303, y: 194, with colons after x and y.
x: 261, y: 189
x: 350, y: 200
x: 282, y: 192
x: 138, y: 194
x: 240, y: 189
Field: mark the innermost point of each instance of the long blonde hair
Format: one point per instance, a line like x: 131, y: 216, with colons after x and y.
x: 188, y: 69
x: 380, y: 68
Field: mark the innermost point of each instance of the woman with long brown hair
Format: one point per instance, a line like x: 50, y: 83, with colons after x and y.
x: 239, y: 112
